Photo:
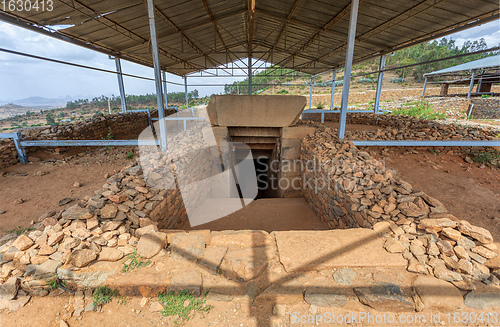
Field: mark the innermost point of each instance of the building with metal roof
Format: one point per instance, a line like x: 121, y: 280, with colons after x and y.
x: 483, y: 72
x: 492, y: 62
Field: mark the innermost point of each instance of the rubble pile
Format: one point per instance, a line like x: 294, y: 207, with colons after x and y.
x: 357, y: 191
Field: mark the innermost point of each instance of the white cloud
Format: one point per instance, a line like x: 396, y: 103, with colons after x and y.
x: 489, y: 31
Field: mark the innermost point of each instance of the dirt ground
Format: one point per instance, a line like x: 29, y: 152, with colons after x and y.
x: 468, y: 191
x: 42, y: 184
x: 269, y: 215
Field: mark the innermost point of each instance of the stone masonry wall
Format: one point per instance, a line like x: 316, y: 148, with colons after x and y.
x: 488, y: 108
x: 122, y: 126
x: 406, y: 128
x: 387, y: 96
x: 8, y: 153
x: 347, y: 188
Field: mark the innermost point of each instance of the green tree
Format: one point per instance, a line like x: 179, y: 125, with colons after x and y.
x: 50, y: 118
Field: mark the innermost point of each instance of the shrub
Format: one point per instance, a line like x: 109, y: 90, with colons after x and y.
x: 420, y: 109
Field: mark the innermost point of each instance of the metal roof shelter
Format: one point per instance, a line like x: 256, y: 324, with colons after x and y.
x: 305, y: 35
x: 311, y: 36
x: 481, y: 66
x: 485, y: 63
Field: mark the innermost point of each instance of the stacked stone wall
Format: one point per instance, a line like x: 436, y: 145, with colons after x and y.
x: 119, y: 126
x: 406, y: 128
x: 348, y: 188
x: 488, y: 108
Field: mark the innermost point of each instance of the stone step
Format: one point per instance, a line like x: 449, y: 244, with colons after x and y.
x: 322, y: 250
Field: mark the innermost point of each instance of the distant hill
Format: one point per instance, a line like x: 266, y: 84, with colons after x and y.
x: 41, y: 102
x: 11, y: 109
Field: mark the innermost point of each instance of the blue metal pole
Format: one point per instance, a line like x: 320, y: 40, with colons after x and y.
x: 250, y: 86
x: 348, y: 67
x: 120, y: 84
x: 157, y: 72
x: 333, y: 89
x: 425, y: 143
x: 186, y: 91
x: 379, y: 83
x: 471, y: 85
x: 164, y: 75
x: 21, y: 152
x: 425, y: 86
x: 310, y: 92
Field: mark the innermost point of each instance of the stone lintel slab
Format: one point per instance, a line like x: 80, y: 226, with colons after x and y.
x: 297, y: 132
x: 322, y: 250
x: 255, y: 110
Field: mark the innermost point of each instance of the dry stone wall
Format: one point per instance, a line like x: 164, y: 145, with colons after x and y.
x: 488, y: 108
x: 406, y: 128
x: 121, y: 126
x: 8, y: 153
x: 388, y: 96
x: 104, y: 227
x: 140, y: 199
x: 348, y: 188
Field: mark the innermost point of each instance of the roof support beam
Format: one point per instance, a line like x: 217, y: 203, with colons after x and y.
x: 351, y: 36
x: 32, y: 26
x: 251, y: 26
x: 157, y: 71
x: 334, y: 76
x: 283, y: 28
x: 412, y: 12
x: 165, y: 94
x: 471, y: 85
x: 298, y: 22
x: 120, y: 29
x: 103, y: 20
x: 184, y: 37
x: 251, y: 29
x: 214, y: 23
x: 476, y: 21
x: 316, y: 35
x: 216, y: 27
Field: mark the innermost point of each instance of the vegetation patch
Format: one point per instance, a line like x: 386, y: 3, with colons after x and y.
x: 489, y: 157
x: 182, y: 304
x: 419, y: 109
x: 104, y: 294
x: 55, y: 283
x: 18, y: 230
x: 134, y: 261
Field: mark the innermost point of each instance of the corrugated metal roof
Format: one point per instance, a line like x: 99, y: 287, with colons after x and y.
x: 305, y: 35
x: 488, y: 62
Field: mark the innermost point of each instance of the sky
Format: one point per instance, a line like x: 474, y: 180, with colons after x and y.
x: 23, y: 77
